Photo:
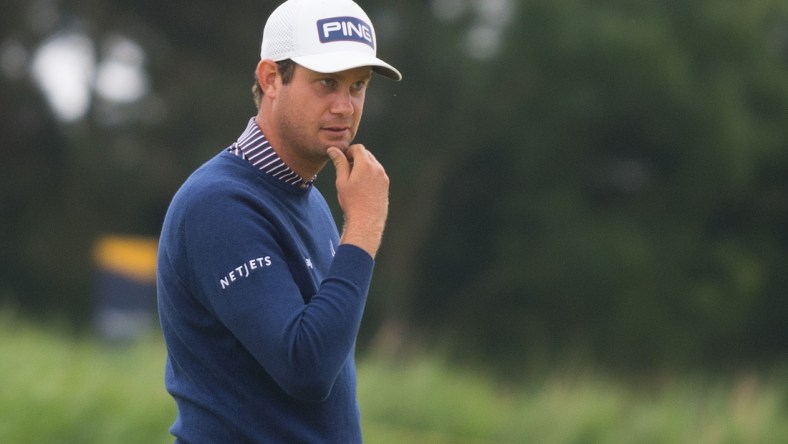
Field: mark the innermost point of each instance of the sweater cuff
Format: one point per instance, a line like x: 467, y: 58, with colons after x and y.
x: 353, y: 264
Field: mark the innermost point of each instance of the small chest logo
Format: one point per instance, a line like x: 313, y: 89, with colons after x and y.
x: 345, y: 29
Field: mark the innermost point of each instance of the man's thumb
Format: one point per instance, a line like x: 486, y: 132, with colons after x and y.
x: 338, y: 159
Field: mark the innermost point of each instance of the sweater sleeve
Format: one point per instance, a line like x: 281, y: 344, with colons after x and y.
x: 241, y: 273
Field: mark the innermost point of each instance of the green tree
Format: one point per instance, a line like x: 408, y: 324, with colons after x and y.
x: 603, y: 178
x: 628, y: 206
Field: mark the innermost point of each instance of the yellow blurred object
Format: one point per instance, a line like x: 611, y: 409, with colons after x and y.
x: 130, y: 256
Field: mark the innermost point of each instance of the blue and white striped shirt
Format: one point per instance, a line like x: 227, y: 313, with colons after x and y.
x: 253, y: 146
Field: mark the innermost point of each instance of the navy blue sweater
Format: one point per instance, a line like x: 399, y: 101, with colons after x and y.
x: 260, y: 307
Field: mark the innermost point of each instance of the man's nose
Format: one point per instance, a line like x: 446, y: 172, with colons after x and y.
x: 343, y: 104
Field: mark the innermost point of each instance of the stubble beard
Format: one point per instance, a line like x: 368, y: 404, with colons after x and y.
x: 297, y: 142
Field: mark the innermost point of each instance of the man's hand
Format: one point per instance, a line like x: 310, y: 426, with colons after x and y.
x: 363, y: 193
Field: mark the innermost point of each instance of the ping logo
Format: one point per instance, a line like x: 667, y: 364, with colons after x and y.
x: 345, y: 29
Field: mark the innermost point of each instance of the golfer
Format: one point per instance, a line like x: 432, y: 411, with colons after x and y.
x: 259, y: 297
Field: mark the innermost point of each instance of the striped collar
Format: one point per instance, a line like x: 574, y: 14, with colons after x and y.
x: 253, y: 146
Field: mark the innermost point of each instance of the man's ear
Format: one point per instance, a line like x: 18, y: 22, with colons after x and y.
x: 268, y: 77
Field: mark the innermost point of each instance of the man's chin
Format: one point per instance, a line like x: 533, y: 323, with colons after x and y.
x: 343, y: 146
x: 341, y: 141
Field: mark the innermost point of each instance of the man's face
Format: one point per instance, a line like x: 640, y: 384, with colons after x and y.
x: 315, y: 111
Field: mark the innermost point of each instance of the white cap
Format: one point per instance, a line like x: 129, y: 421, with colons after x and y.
x: 323, y: 35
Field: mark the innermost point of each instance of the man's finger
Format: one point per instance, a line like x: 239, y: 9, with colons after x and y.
x: 340, y: 161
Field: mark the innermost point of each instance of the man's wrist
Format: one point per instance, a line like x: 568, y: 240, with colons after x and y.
x: 367, y: 239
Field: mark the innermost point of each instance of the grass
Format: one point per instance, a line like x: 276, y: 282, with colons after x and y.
x: 56, y: 388
x: 570, y: 408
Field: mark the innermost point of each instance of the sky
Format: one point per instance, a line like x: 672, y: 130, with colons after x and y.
x: 72, y: 71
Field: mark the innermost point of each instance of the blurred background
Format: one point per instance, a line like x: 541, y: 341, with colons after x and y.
x: 594, y: 182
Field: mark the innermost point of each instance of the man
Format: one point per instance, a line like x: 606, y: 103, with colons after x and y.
x: 260, y: 300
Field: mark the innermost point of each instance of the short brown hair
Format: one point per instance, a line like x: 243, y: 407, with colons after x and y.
x: 286, y: 70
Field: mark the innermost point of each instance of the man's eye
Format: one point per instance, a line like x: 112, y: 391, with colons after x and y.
x: 328, y: 83
x: 359, y: 85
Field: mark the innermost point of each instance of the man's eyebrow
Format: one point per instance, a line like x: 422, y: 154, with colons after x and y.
x: 366, y: 76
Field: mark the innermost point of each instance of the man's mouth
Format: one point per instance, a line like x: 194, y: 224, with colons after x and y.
x: 337, y: 129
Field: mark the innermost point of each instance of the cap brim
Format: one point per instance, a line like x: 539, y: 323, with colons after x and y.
x: 344, y: 60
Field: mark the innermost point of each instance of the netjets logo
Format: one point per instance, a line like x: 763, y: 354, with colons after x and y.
x: 245, y: 270
x: 345, y: 29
